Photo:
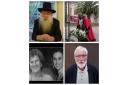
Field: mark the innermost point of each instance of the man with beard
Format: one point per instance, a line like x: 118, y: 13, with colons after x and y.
x: 46, y: 28
x: 81, y: 71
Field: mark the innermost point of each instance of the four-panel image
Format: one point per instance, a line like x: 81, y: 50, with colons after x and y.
x: 64, y: 42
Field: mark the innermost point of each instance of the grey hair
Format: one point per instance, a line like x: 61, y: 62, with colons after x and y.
x: 80, y: 47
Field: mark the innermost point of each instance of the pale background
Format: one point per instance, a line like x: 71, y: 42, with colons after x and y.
x: 14, y: 45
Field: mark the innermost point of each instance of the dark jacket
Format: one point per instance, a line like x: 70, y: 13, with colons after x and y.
x: 55, y: 30
x: 71, y: 74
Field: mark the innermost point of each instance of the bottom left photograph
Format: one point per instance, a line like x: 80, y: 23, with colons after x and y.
x: 45, y: 63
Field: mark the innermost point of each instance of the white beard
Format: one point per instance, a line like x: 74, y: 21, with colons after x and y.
x: 46, y: 24
x: 81, y: 65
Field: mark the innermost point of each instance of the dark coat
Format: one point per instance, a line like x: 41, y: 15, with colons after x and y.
x: 71, y: 74
x: 55, y: 30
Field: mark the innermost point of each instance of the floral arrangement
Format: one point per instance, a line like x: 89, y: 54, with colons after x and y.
x: 80, y: 34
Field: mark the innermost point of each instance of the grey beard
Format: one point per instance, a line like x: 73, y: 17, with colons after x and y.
x: 46, y: 24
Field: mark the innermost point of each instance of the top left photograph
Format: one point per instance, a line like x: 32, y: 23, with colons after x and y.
x: 46, y: 21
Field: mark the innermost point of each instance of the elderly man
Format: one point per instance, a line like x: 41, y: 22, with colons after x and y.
x: 81, y: 71
x: 46, y: 28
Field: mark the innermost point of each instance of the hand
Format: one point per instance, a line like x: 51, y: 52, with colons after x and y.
x: 45, y: 37
x: 40, y: 38
x: 48, y: 38
x: 60, y: 72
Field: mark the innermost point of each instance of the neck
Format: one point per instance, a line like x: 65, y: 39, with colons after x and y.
x: 36, y: 73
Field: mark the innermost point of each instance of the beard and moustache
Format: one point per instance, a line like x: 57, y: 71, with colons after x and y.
x: 46, y: 24
x: 81, y: 64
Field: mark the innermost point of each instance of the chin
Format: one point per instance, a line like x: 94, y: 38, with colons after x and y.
x: 57, y: 68
x: 81, y: 65
x: 35, y: 70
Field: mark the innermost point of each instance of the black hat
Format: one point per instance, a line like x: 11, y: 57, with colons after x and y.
x: 46, y: 7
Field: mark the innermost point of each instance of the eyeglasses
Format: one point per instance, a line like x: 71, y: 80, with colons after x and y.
x: 79, y: 56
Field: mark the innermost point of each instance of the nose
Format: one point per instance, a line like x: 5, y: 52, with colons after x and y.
x: 81, y: 57
x: 34, y: 63
x: 57, y: 62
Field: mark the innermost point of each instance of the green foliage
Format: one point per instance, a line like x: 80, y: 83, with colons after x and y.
x: 88, y: 8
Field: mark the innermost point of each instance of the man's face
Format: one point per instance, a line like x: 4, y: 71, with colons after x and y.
x: 80, y: 58
x: 46, y: 15
x: 58, y: 60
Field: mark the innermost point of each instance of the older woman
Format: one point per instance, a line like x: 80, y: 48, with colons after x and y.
x: 58, y: 64
x: 36, y: 70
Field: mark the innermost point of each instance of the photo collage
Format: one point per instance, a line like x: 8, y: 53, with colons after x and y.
x: 64, y: 42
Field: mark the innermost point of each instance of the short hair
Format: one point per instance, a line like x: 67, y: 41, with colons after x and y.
x: 36, y: 52
x: 80, y: 47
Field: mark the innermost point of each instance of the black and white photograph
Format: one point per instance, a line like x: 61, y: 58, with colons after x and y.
x: 45, y: 63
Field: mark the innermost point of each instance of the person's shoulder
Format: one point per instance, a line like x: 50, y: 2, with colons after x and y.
x: 30, y: 77
x: 71, y: 68
x: 55, y: 20
x: 91, y: 67
x: 36, y: 20
x: 48, y: 72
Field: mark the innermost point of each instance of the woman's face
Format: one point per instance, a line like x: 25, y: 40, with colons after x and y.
x: 35, y: 64
x: 58, y: 60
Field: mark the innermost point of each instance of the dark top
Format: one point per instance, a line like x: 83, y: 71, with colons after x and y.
x: 71, y: 74
x: 55, y: 30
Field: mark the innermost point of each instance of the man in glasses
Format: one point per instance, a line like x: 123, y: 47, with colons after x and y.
x: 81, y: 71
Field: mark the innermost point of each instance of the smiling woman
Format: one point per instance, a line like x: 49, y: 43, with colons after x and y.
x: 37, y: 72
x: 45, y: 63
x: 58, y: 64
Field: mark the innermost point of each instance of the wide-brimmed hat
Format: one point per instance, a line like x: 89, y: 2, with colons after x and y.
x: 46, y: 7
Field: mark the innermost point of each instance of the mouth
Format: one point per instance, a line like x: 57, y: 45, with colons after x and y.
x: 81, y: 62
x: 57, y: 65
x: 35, y: 67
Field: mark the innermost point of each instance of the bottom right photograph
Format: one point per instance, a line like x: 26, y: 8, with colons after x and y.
x: 82, y: 63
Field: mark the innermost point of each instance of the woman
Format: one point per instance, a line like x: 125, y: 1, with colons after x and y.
x: 36, y: 70
x: 88, y: 28
x: 58, y: 64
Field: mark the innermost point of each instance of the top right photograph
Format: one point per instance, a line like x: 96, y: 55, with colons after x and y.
x: 82, y: 21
